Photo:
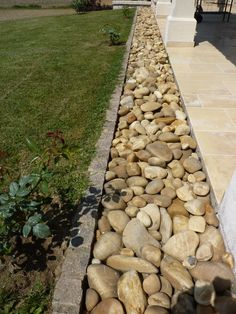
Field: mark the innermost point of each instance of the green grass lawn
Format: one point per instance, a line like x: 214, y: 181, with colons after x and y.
x: 57, y: 73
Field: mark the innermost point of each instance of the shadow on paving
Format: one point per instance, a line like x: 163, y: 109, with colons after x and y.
x: 221, y: 35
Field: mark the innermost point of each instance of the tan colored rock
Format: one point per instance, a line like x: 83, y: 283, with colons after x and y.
x: 127, y: 194
x: 144, y: 218
x: 154, y: 186
x: 210, y: 216
x: 192, y: 164
x: 154, y: 172
x: 109, y: 243
x: 135, y: 236
x: 204, y: 292
x: 168, y: 137
x: 215, y: 272
x: 154, y: 213
x: 195, y: 207
x: 213, y: 236
x: 162, y: 200
x: 137, y: 190
x: 91, y: 299
x: 137, y: 201
x: 143, y: 155
x: 161, y: 150
x: 201, y: 188
x: 155, y: 309
x: 182, y: 245
x: 151, y: 254
x: 176, y: 274
x: 132, y: 211
x: 165, y: 226
x: 188, y: 142
x: 108, y: 306
x: 169, y: 192
x: 151, y: 284
x: 136, y: 181
x: 190, y: 262
x: 204, y: 252
x: 103, y: 280
x: 126, y: 263
x: 197, y: 224
x: 126, y: 252
x: 133, y: 169
x: 166, y: 286
x: 180, y: 223
x: 150, y: 106
x: 177, y: 208
x: 131, y: 294
x: 160, y: 299
x: 118, y: 219
x: 228, y: 259
x: 110, y: 175
x: 115, y: 184
x: 104, y: 225
x: 156, y: 161
x: 177, y: 169
x: 185, y: 193
x: 113, y: 202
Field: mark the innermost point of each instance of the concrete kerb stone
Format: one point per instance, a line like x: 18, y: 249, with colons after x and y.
x: 68, y: 292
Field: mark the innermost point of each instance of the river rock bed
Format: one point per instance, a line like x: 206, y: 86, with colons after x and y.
x: 158, y: 248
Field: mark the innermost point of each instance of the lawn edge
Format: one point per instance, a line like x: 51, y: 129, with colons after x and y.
x: 69, y: 287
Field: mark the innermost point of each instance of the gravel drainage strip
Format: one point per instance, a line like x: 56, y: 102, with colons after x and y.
x: 158, y: 248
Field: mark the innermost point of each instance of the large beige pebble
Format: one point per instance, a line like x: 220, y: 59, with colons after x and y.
x: 118, y: 219
x: 177, y: 208
x: 176, y: 274
x: 210, y: 216
x: 109, y: 243
x: 204, y: 252
x: 151, y: 284
x: 144, y: 218
x: 160, y: 299
x: 137, y: 201
x: 180, y: 223
x: 104, y: 225
x: 154, y: 186
x: 195, y: 207
x: 125, y: 263
x: 151, y: 254
x: 192, y: 164
x: 155, y: 309
x: 182, y: 245
x: 127, y: 194
x: 213, y: 236
x: 161, y: 150
x: 131, y: 294
x: 177, y: 169
x: 150, y: 106
x: 169, y: 192
x: 201, y: 188
x: 197, y: 224
x: 91, y: 299
x: 136, y: 181
x: 108, y: 306
x: 165, y: 226
x: 153, y: 172
x: 103, y: 280
x: 166, y: 286
x: 132, y: 211
x: 153, y: 212
x: 185, y: 193
x: 133, y: 169
x: 135, y: 236
x: 115, y: 184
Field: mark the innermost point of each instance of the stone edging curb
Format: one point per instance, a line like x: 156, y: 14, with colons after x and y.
x: 68, y: 292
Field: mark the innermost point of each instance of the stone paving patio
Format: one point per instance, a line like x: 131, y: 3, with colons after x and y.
x: 206, y: 75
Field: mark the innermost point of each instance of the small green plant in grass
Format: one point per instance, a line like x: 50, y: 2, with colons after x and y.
x: 126, y: 12
x: 80, y: 5
x: 22, y: 206
x: 112, y: 34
